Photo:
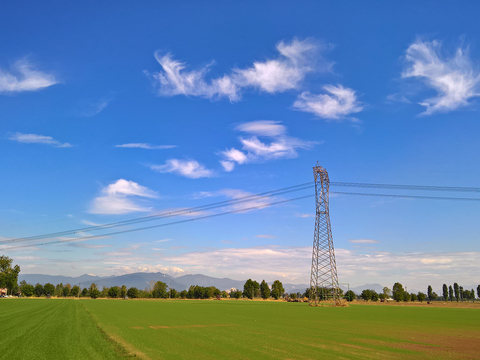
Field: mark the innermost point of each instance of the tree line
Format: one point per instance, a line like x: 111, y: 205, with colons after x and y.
x: 398, y: 293
x: 159, y: 289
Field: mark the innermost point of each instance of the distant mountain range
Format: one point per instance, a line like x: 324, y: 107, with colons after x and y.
x: 143, y: 280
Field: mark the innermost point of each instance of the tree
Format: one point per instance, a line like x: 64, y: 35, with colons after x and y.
x: 430, y: 293
x: 113, y: 292
x: 460, y: 290
x: 478, y: 291
x: 84, y: 292
x: 93, y: 291
x: 456, y: 290
x: 59, y: 290
x: 350, y: 295
x: 434, y: 296
x: 398, y: 291
x: 183, y: 294
x: 173, y: 293
x: 421, y: 296
x: 366, y: 294
x: 26, y: 289
x: 237, y: 294
x: 38, y: 290
x: 264, y: 290
x: 249, y: 288
x: 160, y: 290
x: 473, y: 294
x: 49, y: 289
x: 445, y: 292
x: 406, y: 296
x: 65, y: 291
x: 8, y: 274
x: 224, y: 294
x: 413, y: 297
x: 277, y: 289
x: 123, y: 291
x: 386, y: 293
x: 374, y: 296
x: 75, y: 290
x: 132, y: 293
x: 450, y: 293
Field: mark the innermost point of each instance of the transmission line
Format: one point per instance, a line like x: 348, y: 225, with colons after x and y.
x: 187, y: 211
x: 407, y: 187
x: 159, y: 225
x: 248, y: 198
x: 407, y: 196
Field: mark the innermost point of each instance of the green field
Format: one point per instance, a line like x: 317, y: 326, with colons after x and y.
x: 196, y: 329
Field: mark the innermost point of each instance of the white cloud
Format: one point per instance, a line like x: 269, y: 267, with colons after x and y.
x: 265, y: 236
x: 227, y: 165
x: 305, y: 215
x: 364, y: 241
x: 338, y: 104
x: 24, y: 77
x: 145, y: 146
x: 188, y: 168
x: 37, y: 139
x: 255, y: 150
x: 285, y: 72
x: 263, y: 128
x: 116, y: 198
x: 454, y: 78
x: 203, y: 195
x: 90, y: 108
x: 292, y: 264
x: 246, y: 204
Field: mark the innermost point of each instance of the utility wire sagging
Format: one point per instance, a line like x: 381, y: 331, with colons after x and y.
x: 233, y: 202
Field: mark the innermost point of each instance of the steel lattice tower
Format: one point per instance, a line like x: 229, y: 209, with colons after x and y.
x: 323, y: 279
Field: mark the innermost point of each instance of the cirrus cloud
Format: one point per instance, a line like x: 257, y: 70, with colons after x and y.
x: 286, y: 72
x: 339, y: 103
x: 37, y: 139
x: 187, y: 168
x: 454, y: 78
x: 25, y: 77
x: 255, y: 150
x: 116, y: 198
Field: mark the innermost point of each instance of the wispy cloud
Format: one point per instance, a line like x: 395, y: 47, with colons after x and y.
x: 145, y: 146
x: 305, y: 215
x: 356, y: 267
x: 187, y: 168
x: 265, y: 236
x: 285, y: 72
x: 339, y: 103
x: 364, y: 241
x: 37, y: 139
x: 25, y: 77
x: 89, y: 108
x: 117, y: 199
x: 255, y: 150
x: 454, y: 78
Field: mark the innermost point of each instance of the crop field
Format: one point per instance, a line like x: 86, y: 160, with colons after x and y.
x: 229, y: 329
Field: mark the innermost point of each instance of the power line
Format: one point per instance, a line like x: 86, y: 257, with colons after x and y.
x: 407, y: 187
x: 407, y: 196
x: 253, y: 197
x: 159, y: 225
x: 187, y: 211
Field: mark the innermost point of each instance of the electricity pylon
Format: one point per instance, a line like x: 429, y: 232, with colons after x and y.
x: 323, y: 279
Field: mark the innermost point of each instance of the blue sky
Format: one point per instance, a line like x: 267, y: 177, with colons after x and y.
x: 113, y: 111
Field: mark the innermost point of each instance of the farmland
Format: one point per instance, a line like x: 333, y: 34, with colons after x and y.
x: 201, y: 329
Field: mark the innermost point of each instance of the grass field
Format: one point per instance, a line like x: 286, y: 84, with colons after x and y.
x: 176, y: 329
